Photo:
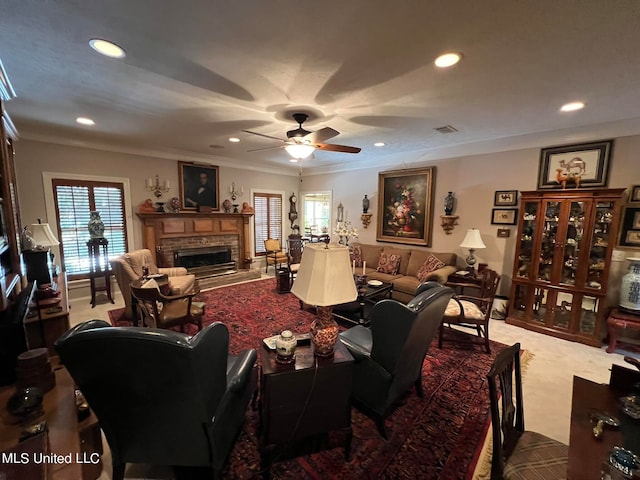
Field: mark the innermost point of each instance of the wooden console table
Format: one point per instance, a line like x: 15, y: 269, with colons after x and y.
x: 619, y: 320
x: 80, y: 443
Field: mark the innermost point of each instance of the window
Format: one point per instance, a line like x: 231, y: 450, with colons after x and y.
x: 267, y: 218
x: 74, y: 200
x: 316, y: 214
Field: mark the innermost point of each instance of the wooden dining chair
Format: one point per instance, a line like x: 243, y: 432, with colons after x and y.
x: 518, y: 454
x: 274, y: 253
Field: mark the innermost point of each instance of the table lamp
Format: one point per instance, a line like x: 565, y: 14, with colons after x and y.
x: 324, y: 279
x: 472, y: 241
x: 38, y: 267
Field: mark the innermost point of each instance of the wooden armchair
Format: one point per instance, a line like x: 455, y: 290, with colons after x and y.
x: 274, y: 254
x: 294, y: 253
x: 472, y: 311
x: 166, y: 311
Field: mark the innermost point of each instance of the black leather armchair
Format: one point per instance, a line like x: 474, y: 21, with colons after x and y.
x: 390, y: 353
x: 161, y: 397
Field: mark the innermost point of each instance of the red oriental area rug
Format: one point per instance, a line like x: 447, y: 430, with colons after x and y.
x: 437, y: 437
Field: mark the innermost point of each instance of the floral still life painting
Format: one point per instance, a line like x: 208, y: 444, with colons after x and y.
x: 405, y: 206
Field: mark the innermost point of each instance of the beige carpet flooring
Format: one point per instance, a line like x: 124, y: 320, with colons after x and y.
x: 547, y: 384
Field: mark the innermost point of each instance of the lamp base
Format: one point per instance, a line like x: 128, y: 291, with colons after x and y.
x: 324, y: 332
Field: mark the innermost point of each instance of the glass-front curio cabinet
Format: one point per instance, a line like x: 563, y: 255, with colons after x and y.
x: 564, y: 244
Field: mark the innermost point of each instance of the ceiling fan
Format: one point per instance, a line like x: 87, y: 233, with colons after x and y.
x: 301, y: 143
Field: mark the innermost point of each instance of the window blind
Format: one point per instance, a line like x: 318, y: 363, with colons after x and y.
x: 74, y: 202
x: 267, y: 219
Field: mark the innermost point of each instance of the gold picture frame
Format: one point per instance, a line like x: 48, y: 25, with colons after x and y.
x: 405, y: 206
x: 199, y: 186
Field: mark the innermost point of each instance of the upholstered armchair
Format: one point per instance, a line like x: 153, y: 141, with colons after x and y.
x: 390, y: 353
x: 274, y: 254
x: 162, y: 397
x: 128, y: 267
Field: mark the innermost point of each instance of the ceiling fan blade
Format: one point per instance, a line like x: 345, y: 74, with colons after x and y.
x: 265, y: 148
x: 331, y: 147
x: 262, y: 135
x: 321, y: 135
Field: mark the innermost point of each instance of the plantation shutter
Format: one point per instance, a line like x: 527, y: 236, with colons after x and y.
x: 267, y: 219
x: 74, y: 202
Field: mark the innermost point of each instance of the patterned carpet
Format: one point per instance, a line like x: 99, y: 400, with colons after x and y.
x: 438, y: 437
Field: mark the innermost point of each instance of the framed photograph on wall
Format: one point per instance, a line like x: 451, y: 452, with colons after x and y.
x: 505, y: 198
x: 405, y: 206
x: 634, y: 195
x: 504, y: 216
x: 575, y: 166
x: 630, y: 227
x: 198, y: 186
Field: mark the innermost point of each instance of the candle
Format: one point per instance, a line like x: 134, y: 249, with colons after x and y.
x: 364, y: 265
x: 353, y: 268
x: 230, y: 188
x: 166, y: 184
x: 241, y: 189
x: 149, y: 182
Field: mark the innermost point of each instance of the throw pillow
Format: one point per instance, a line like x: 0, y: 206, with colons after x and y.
x: 431, y: 264
x: 356, y: 255
x: 388, y: 263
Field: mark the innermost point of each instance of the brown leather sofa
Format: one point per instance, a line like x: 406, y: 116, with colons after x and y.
x: 405, y: 281
x: 128, y: 267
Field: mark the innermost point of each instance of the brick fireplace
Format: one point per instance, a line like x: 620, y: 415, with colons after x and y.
x: 168, y: 234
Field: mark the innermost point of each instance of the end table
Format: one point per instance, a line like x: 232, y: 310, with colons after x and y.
x: 99, y: 268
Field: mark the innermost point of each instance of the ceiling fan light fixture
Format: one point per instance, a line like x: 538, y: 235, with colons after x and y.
x: 447, y: 59
x: 107, y: 48
x: 299, y: 151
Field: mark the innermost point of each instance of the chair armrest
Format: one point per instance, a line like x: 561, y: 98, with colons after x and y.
x: 240, y: 372
x: 172, y: 298
x: 441, y: 274
x: 173, y: 271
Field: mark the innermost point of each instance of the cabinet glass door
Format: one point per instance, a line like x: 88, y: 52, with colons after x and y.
x: 548, y: 240
x: 588, y: 314
x: 572, y: 243
x: 530, y: 211
x: 600, y: 239
x: 521, y: 301
x: 564, y: 308
x: 540, y: 299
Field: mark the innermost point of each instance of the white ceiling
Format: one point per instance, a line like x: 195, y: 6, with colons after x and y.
x: 198, y: 72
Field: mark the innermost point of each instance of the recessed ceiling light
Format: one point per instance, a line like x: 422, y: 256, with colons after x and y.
x: 106, y: 48
x: 234, y: 139
x: 572, y: 106
x: 85, y: 121
x: 379, y: 144
x: 447, y: 60
x: 293, y: 160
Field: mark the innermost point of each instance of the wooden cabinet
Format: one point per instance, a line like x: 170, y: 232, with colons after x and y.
x: 561, y: 267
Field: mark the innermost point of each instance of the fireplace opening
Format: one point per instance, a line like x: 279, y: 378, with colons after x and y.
x: 205, y: 261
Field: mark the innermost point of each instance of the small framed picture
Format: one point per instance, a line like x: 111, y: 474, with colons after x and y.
x: 504, y: 232
x: 505, y: 198
x: 630, y: 229
x: 634, y: 196
x: 504, y: 216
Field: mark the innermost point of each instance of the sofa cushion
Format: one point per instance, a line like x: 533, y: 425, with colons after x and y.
x: 370, y: 254
x: 419, y: 256
x: 406, y: 284
x: 431, y: 264
x: 383, y: 277
x: 403, y: 253
x: 388, y: 263
x: 356, y: 255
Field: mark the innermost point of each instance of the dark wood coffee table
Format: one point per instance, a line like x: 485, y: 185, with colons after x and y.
x: 354, y: 313
x: 305, y: 399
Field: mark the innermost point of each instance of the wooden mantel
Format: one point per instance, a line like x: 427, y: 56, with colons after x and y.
x: 158, y: 226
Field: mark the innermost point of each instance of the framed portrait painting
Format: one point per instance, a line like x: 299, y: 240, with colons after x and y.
x: 575, y: 166
x: 198, y: 186
x: 405, y: 206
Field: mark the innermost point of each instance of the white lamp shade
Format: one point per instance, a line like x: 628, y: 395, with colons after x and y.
x: 43, y: 236
x: 473, y: 239
x: 299, y: 150
x: 324, y: 277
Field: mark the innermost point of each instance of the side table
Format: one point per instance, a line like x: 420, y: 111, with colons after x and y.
x: 99, y: 268
x: 620, y: 319
x: 304, y: 399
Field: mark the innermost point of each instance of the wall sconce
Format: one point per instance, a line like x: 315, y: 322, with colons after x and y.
x: 234, y: 195
x: 156, y: 187
x: 448, y: 222
x: 366, y: 219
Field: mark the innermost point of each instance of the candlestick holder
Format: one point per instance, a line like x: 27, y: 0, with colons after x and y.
x: 156, y: 187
